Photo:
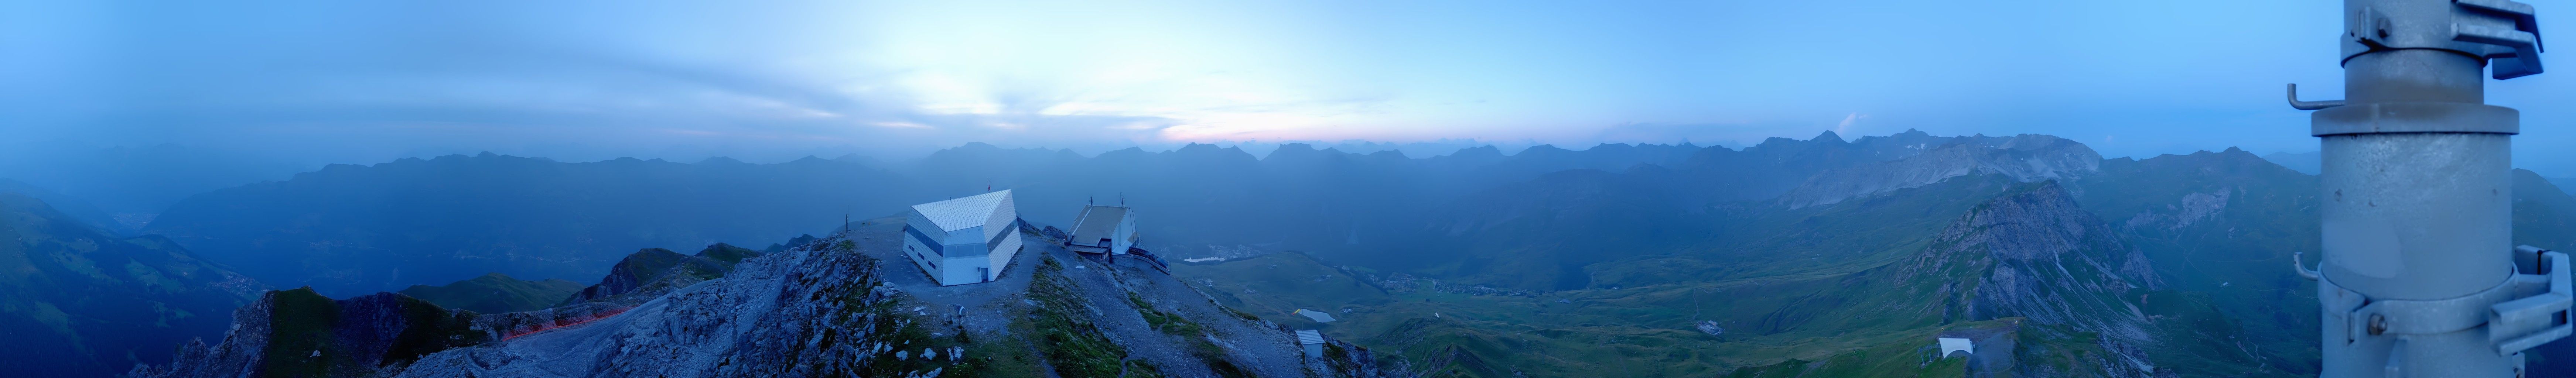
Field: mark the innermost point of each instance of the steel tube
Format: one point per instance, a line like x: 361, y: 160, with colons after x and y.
x: 2416, y: 213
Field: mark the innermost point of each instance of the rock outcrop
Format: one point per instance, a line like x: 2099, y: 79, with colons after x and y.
x: 813, y: 310
x: 2034, y: 253
x: 300, y: 333
x: 653, y: 271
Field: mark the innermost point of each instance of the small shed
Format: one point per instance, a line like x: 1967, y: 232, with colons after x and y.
x: 1313, y: 341
x: 1103, y: 229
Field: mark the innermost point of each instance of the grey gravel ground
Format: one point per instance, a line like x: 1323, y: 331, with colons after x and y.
x: 988, y: 305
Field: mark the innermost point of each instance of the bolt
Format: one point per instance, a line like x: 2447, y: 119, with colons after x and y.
x: 2378, y: 324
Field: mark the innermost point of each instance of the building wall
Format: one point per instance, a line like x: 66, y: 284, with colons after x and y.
x: 961, y: 270
x: 1125, y: 236
x: 1002, y: 253
x: 921, y: 254
x: 1004, y: 224
x: 971, y: 235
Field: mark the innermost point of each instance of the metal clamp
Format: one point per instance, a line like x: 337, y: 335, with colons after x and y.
x: 2415, y: 117
x: 2528, y: 309
x: 2425, y: 317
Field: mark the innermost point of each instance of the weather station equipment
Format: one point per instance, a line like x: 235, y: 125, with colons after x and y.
x: 2420, y: 277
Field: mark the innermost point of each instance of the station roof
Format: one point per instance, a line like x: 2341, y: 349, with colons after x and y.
x: 963, y: 212
x: 1098, y: 222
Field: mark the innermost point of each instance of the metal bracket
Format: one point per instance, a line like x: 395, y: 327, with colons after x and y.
x: 2396, y: 367
x: 2538, y: 314
x: 2309, y: 105
x: 2509, y: 25
x: 2504, y: 33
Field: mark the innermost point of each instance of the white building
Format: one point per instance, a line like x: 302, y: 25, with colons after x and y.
x: 963, y: 240
x: 1104, y: 229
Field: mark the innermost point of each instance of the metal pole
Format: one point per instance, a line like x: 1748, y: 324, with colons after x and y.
x: 2417, y: 214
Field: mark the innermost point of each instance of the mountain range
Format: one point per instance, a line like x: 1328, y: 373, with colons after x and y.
x: 1817, y: 257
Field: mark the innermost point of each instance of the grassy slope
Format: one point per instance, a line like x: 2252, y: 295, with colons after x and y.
x: 496, y: 293
x: 2237, y: 258
x: 309, y: 337
x: 78, y: 301
x: 1792, y: 285
x: 1637, y: 317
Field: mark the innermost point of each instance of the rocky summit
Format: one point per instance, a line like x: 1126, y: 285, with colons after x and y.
x: 823, y: 308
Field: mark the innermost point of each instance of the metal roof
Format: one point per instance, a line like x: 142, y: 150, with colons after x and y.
x: 1957, y: 345
x: 1318, y: 316
x: 1097, y: 223
x: 1308, y: 336
x: 962, y: 212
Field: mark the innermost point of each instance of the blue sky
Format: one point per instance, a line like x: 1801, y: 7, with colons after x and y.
x: 773, y: 80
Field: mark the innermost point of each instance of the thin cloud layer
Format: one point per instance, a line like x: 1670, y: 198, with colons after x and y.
x: 370, y: 81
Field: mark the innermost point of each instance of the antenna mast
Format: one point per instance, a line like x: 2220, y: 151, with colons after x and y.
x: 2420, y: 277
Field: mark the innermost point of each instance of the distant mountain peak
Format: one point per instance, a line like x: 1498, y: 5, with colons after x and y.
x: 2025, y: 158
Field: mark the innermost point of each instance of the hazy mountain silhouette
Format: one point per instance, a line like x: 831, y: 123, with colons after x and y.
x: 350, y: 229
x: 2202, y: 239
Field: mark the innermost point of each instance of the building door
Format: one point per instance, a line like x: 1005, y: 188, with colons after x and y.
x: 985, y: 272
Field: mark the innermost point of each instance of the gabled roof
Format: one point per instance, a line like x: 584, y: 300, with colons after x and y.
x: 962, y: 212
x: 1308, y: 336
x: 1098, y: 222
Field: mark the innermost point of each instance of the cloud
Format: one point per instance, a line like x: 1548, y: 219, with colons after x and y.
x: 373, y: 80
x: 1844, y: 127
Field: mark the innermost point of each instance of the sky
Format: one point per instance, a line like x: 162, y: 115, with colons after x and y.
x: 771, y: 81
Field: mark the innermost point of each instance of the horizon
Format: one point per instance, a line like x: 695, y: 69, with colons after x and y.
x: 340, y: 83
x: 1258, y: 149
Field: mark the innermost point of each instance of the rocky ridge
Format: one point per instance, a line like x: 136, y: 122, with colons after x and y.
x: 822, y: 308
x: 2035, y: 254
